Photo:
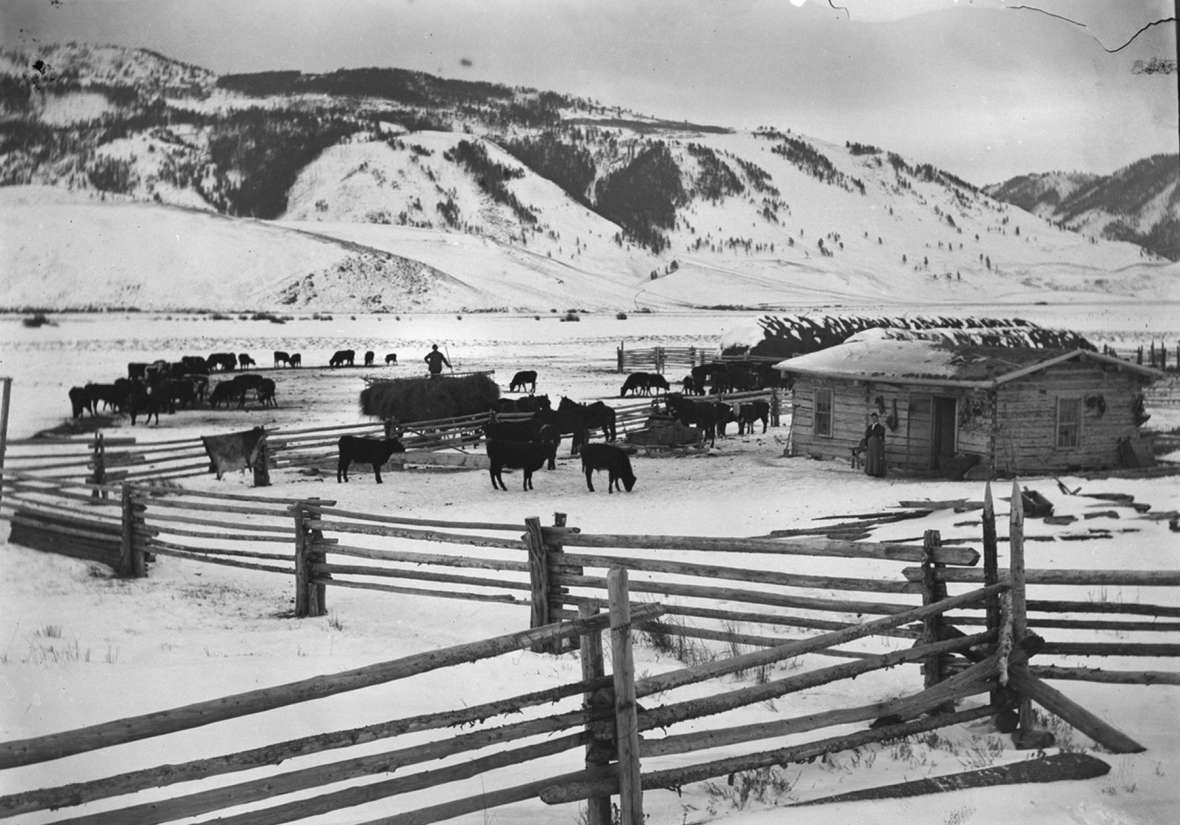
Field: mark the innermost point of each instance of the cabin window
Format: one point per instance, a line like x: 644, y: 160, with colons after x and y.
x: 1069, y: 422
x: 823, y: 413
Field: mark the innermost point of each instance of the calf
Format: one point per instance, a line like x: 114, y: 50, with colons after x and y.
x: 369, y: 356
x: 282, y: 358
x: 244, y: 360
x: 227, y: 391
x: 342, y: 357
x: 610, y: 458
x: 657, y: 382
x: 266, y: 393
x: 390, y: 358
x: 296, y: 359
x: 375, y: 451
x: 750, y: 412
x: 521, y: 378
x: 528, y: 456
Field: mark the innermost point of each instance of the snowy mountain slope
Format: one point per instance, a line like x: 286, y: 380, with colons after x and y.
x: 418, y: 193
x: 1138, y: 203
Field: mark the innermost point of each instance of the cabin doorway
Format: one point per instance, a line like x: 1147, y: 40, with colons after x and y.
x: 943, y: 431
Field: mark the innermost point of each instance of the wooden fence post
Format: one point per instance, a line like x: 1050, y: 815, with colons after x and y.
x: 99, y: 463
x: 5, y: 398
x: 933, y: 590
x: 600, y: 748
x: 991, y: 571
x: 301, y: 571
x: 776, y: 406
x: 556, y: 592
x: 660, y: 356
x: 538, y: 579
x: 619, y: 358
x: 626, y: 711
x: 1025, y: 737
x: 131, y: 559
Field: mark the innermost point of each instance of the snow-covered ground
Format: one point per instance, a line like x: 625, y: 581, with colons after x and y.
x: 79, y: 647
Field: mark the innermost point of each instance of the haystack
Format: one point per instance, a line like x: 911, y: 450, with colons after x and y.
x: 425, y: 399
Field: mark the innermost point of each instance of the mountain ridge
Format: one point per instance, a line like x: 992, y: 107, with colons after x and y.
x: 474, y: 195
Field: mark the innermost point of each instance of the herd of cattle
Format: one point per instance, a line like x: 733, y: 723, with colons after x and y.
x: 151, y: 388
x: 525, y: 433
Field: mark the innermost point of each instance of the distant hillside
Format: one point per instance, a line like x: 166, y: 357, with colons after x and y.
x: 1139, y: 203
x: 430, y: 193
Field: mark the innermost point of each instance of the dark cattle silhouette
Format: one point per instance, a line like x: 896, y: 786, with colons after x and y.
x: 533, y: 403
x: 521, y: 378
x: 147, y: 401
x: 656, y: 383
x: 369, y: 356
x: 190, y: 365
x: 342, y: 357
x: 612, y: 459
x: 527, y: 456
x: 636, y: 383
x: 576, y: 420
x: 710, y: 416
x: 528, y: 429
x: 226, y: 391
x: 690, y: 387
x: 181, y: 391
x: 282, y: 359
x: 374, y: 451
x: 390, y: 358
x: 266, y: 393
x: 296, y: 359
x: 244, y: 360
x: 220, y: 361
x: 80, y: 401
x: 137, y: 370
x: 751, y: 411
x: 109, y: 395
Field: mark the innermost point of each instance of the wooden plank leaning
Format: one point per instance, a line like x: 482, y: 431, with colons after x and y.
x: 626, y: 710
x: 81, y: 740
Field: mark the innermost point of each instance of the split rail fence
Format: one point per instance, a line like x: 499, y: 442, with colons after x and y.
x: 885, y: 616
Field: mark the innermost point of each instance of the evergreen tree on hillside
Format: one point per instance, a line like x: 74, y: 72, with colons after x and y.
x: 642, y: 197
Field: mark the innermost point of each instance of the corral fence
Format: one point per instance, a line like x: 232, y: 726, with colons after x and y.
x: 660, y: 359
x: 605, y: 729
x: 1152, y: 355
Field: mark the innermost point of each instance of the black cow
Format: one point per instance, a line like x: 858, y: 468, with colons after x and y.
x: 690, y: 387
x: 710, y: 416
x: 137, y: 370
x: 223, y: 361
x: 529, y: 429
x: 148, y: 401
x: 390, y: 358
x: 226, y: 391
x: 80, y: 401
x: 266, y: 393
x: 192, y: 365
x: 752, y: 411
x: 521, y: 378
x: 637, y: 383
x: 296, y: 359
x: 342, y: 357
x: 375, y: 451
x: 181, y: 391
x: 612, y: 459
x: 369, y: 356
x: 244, y: 360
x: 282, y: 358
x: 109, y: 395
x: 657, y: 382
x: 528, y: 456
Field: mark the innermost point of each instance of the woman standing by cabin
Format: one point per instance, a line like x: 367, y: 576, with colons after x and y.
x: 874, y: 447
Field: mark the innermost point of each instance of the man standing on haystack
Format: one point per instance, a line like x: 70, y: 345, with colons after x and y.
x: 435, y: 360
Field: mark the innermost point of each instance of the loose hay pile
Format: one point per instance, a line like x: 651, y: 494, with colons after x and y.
x: 425, y: 399
x: 787, y: 337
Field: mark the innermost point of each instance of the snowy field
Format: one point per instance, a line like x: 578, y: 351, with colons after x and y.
x: 79, y: 647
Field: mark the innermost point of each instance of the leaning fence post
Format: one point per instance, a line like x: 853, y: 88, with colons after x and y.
x: 262, y: 464
x: 596, y: 703
x: 626, y: 711
x: 619, y: 358
x: 933, y: 590
x: 99, y: 464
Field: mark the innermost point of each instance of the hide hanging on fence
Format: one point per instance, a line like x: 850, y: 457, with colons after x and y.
x: 235, y: 451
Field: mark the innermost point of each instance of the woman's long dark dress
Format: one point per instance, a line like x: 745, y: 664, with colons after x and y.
x: 875, y: 450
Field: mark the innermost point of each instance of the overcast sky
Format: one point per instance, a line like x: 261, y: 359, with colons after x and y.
x: 982, y: 88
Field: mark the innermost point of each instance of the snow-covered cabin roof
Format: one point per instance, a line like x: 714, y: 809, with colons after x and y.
x: 871, y: 356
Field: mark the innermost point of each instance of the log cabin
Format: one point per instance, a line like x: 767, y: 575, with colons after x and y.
x: 948, y: 406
